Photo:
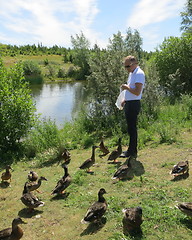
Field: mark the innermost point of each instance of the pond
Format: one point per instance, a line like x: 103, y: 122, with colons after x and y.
x: 58, y: 101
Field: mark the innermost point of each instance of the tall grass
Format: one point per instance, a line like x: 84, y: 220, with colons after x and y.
x: 81, y: 132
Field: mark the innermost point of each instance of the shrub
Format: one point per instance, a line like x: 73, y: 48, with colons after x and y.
x: 16, y: 106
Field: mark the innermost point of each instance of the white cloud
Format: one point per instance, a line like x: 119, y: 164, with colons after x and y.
x: 148, y: 12
x: 49, y: 22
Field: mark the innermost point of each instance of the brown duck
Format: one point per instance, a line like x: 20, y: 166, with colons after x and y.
x: 13, y: 233
x: 63, y: 183
x: 31, y: 186
x: 32, y: 176
x: 29, y: 200
x: 132, y: 219
x: 180, y: 168
x: 186, y: 208
x: 97, y: 209
x: 124, y: 170
x: 90, y: 161
x: 103, y: 149
x: 116, y: 153
x: 6, y: 176
x: 64, y: 156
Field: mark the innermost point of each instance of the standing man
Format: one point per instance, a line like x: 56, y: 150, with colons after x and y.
x: 132, y: 105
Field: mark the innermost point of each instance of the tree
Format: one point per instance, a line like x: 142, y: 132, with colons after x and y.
x: 174, y: 63
x: 81, y: 54
x: 17, y: 111
x: 133, y: 43
x: 186, y: 23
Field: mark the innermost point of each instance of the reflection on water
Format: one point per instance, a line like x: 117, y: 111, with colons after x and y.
x: 58, y: 101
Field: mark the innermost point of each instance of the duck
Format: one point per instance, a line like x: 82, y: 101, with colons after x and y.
x: 116, y: 153
x: 63, y: 183
x: 186, y: 208
x: 180, y: 168
x: 29, y: 200
x: 90, y: 161
x: 124, y: 170
x: 96, y: 210
x: 6, y: 176
x: 32, y: 176
x: 13, y: 233
x: 35, y: 185
x: 103, y: 149
x: 65, y: 156
x: 132, y: 219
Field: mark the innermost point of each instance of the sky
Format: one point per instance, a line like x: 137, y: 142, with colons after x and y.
x: 53, y: 22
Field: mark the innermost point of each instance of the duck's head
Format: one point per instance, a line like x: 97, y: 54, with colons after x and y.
x: 17, y: 221
x: 102, y: 191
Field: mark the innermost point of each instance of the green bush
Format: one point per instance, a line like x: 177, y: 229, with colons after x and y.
x: 17, y: 112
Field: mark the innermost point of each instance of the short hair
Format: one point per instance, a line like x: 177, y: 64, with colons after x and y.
x: 131, y: 58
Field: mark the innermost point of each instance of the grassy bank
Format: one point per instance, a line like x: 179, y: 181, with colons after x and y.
x: 151, y: 188
x: 52, y: 67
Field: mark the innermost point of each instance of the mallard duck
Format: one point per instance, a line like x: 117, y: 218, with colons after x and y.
x: 35, y: 185
x: 29, y: 200
x: 5, y: 176
x: 116, y: 153
x: 103, y: 149
x: 186, y: 208
x: 124, y: 170
x: 32, y: 176
x: 63, y: 183
x: 180, y: 168
x: 97, y: 209
x: 13, y: 233
x: 65, y: 156
x: 90, y: 161
x: 132, y: 219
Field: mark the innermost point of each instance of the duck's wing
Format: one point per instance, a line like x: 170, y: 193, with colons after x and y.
x: 121, y: 172
x: 185, y: 207
x: 95, y: 212
x: 86, y: 163
x: 5, y: 233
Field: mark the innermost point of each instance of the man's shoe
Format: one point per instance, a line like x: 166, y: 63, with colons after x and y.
x: 125, y: 154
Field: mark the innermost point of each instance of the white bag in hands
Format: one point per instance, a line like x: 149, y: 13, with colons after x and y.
x: 120, y: 99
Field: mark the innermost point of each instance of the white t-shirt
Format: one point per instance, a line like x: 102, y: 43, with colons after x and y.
x: 137, y: 76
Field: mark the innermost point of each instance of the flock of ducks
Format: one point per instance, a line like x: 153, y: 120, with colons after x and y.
x: 132, y: 217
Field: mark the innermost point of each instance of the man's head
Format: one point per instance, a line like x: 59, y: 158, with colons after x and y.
x: 130, y: 63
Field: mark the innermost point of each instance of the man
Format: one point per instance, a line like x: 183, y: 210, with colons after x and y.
x: 133, y: 94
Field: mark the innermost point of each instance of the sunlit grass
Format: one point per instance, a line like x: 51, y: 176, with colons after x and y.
x: 151, y: 188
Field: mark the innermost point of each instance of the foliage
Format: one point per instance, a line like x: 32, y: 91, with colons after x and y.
x: 104, y: 82
x: 186, y: 23
x: 174, y: 63
x: 32, y: 71
x: 81, y: 54
x: 16, y: 106
x: 133, y: 42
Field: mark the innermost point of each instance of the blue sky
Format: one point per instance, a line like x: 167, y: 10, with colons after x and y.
x: 53, y: 22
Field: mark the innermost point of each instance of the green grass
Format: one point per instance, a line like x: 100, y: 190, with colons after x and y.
x: 151, y: 188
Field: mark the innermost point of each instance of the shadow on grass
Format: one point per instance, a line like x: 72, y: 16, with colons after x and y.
x: 49, y: 162
x: 25, y: 213
x: 4, y: 184
x: 138, y: 168
x: 93, y: 228
x: 180, y: 177
x: 187, y: 222
x: 60, y: 196
x: 134, y: 234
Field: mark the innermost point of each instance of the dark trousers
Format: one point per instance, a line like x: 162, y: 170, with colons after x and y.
x: 132, y: 109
